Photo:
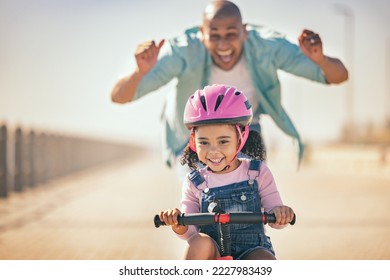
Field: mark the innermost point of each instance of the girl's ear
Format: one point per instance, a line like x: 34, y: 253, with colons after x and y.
x: 239, y: 131
x: 192, y: 142
x: 238, y: 139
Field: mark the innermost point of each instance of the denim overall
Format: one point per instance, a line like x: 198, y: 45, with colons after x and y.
x: 238, y: 197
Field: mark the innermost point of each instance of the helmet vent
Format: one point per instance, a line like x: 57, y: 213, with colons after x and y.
x: 203, y: 101
x: 218, y: 102
x: 237, y: 93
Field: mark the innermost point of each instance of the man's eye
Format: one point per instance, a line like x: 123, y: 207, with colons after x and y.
x: 232, y: 36
x: 215, y: 37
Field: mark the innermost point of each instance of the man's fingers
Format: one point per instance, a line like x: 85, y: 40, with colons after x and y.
x: 313, y: 39
x: 161, y: 44
x: 148, y: 49
x: 310, y: 37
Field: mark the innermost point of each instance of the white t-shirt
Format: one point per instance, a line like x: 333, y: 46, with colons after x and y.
x: 239, y: 78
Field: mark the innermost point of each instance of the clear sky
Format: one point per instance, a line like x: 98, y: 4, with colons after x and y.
x: 60, y: 59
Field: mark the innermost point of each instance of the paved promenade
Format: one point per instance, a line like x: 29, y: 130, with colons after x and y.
x: 341, y: 197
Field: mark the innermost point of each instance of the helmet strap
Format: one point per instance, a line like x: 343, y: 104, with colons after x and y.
x: 243, y: 136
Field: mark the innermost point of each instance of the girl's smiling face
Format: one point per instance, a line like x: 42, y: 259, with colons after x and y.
x: 216, y: 146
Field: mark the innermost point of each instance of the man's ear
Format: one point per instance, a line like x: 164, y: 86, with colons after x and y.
x: 201, y: 33
x: 244, y: 26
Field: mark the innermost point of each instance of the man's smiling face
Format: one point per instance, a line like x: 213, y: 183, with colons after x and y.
x: 224, y: 38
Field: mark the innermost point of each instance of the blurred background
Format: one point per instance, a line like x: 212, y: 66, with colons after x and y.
x: 58, y: 63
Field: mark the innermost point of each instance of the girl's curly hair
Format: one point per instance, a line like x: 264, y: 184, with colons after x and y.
x: 253, y: 148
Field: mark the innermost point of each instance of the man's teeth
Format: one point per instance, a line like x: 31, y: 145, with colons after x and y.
x: 225, y: 53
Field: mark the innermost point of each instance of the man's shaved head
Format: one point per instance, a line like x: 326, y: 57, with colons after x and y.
x: 221, y: 9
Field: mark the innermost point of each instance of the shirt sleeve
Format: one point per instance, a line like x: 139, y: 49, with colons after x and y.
x: 189, y: 204
x: 289, y: 57
x: 268, y: 191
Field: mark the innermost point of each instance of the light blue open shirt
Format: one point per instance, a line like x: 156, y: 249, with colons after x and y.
x: 186, y: 58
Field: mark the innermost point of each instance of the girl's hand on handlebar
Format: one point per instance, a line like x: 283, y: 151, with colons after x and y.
x: 170, y: 218
x: 284, y: 215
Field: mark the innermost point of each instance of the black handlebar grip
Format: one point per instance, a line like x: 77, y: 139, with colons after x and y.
x: 293, y: 220
x: 270, y: 218
x: 158, y: 222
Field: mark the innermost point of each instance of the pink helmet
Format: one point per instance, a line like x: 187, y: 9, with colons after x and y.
x: 217, y: 104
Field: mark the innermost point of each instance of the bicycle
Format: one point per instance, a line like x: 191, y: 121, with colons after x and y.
x: 223, y: 220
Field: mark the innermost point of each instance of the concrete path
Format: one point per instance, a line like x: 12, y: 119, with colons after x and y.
x: 342, y: 208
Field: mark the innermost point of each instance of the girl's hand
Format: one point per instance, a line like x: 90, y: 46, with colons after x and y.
x: 170, y: 218
x: 146, y: 55
x: 284, y: 215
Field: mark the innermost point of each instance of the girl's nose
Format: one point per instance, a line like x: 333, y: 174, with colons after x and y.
x: 213, y: 150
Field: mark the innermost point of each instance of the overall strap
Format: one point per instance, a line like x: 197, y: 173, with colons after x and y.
x: 196, y: 178
x: 254, y: 164
x: 254, y: 169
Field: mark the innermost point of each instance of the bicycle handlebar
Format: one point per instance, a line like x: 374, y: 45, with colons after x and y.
x: 213, y: 218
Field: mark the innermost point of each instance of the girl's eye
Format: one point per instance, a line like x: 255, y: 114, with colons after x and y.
x: 223, y: 142
x: 202, y: 143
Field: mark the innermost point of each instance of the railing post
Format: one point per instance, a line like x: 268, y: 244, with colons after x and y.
x: 18, y: 183
x: 26, y: 159
x: 43, y: 149
x: 33, y: 158
x: 3, y: 162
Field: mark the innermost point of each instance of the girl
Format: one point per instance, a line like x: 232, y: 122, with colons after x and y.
x: 218, y: 117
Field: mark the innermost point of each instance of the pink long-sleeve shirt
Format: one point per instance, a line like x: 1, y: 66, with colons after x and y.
x: 191, y: 195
